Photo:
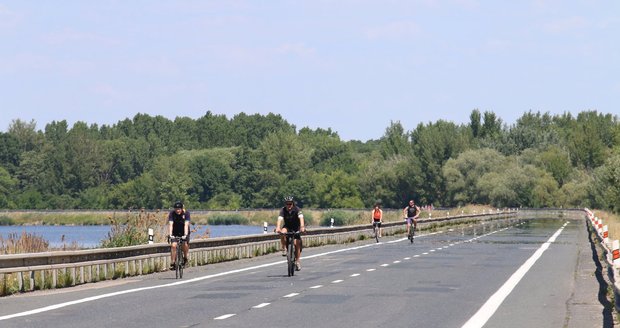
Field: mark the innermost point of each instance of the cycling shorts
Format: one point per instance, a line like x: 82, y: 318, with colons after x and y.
x: 296, y: 236
x: 186, y: 239
x: 376, y: 223
x: 411, y: 220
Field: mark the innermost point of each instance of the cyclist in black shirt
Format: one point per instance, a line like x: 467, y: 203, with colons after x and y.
x: 411, y: 213
x: 178, y: 226
x: 291, y: 219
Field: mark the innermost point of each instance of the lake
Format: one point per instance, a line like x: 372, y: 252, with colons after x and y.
x: 91, y: 236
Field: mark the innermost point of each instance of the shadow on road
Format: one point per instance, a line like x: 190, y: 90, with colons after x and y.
x: 608, y: 307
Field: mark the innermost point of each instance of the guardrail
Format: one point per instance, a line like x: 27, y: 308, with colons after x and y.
x: 36, y: 271
x: 612, y: 253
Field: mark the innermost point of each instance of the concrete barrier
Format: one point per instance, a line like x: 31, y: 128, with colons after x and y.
x: 49, y: 270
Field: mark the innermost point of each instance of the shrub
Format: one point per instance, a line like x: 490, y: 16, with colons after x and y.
x: 6, y: 221
x: 228, y: 219
x: 341, y: 218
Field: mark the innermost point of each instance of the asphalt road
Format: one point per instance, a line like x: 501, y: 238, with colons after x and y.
x: 518, y: 274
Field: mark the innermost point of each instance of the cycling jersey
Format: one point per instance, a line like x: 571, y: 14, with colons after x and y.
x: 291, y: 218
x: 178, y: 222
x: 376, y: 215
x: 412, y: 211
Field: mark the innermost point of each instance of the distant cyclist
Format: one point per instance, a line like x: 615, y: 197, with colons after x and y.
x: 411, y: 213
x: 377, y: 217
x: 291, y: 219
x: 178, y: 226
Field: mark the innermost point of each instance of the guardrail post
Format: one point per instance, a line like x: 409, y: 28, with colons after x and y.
x: 616, y: 253
x: 331, y: 224
x: 264, y: 227
x: 150, y: 235
x: 605, y: 234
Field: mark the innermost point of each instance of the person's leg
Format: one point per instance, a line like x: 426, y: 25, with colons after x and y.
x: 173, y: 254
x: 186, y: 251
x: 298, y: 253
x: 283, y: 241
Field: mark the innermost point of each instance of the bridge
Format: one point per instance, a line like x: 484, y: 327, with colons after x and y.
x: 534, y: 269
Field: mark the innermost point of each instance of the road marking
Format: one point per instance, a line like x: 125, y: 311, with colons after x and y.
x: 225, y: 316
x: 417, y: 255
x: 425, y: 253
x: 317, y: 286
x: 262, y: 305
x: 432, y: 250
x: 182, y: 282
x: 354, y: 275
x: 397, y: 261
x: 337, y: 281
x: 291, y: 295
x: 384, y: 265
x: 492, y: 304
x: 407, y: 258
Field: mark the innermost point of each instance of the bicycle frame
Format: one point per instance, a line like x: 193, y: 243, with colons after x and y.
x: 179, y: 263
x: 290, y: 251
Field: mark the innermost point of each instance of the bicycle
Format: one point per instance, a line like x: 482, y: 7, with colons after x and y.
x: 376, y: 226
x: 411, y: 232
x: 290, y: 251
x: 179, y: 264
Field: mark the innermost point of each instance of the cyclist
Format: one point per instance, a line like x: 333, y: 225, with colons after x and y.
x: 411, y: 213
x: 178, y: 226
x: 377, y: 217
x: 291, y: 219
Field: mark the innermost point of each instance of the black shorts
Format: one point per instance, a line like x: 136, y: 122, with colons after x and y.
x: 376, y: 223
x: 186, y: 239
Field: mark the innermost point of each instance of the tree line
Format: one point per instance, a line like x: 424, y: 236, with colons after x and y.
x: 252, y: 161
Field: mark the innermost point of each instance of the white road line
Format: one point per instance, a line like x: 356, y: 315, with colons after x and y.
x: 417, y: 255
x: 369, y: 270
x: 337, y: 281
x: 492, y: 304
x: 384, y: 265
x: 291, y: 295
x: 432, y: 250
x: 354, y: 275
x: 317, y: 286
x: 397, y: 261
x: 407, y: 258
x: 225, y: 316
x: 425, y: 253
x: 262, y: 305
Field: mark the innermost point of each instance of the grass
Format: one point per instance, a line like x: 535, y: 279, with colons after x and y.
x: 612, y: 221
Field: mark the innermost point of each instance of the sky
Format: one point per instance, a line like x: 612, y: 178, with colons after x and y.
x: 353, y: 66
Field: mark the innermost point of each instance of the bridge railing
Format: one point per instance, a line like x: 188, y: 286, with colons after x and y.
x: 48, y: 270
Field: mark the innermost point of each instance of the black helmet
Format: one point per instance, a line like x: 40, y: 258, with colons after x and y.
x: 178, y: 205
x: 288, y: 199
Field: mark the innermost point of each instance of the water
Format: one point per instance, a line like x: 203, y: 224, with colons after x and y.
x: 91, y: 236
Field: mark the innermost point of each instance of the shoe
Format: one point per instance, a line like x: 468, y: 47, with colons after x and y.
x: 172, y: 266
x: 297, y: 266
x: 184, y: 261
x: 283, y: 252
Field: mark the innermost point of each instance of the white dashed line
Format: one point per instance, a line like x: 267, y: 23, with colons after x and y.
x: 384, y: 265
x: 417, y: 255
x: 317, y: 286
x: 291, y: 295
x: 225, y: 316
x: 262, y: 305
x: 397, y: 261
x: 369, y: 270
x: 407, y: 258
x: 337, y: 281
x: 425, y: 253
x: 355, y: 275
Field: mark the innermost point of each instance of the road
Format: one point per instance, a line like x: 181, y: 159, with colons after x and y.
x: 518, y: 274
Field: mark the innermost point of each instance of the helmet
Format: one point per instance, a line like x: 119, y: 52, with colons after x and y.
x: 178, y: 205
x: 288, y: 199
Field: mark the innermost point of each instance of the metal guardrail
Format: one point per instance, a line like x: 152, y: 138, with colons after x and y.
x: 27, y: 272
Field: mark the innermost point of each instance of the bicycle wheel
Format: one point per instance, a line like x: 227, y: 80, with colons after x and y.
x: 177, y: 265
x: 290, y: 256
x: 376, y: 230
x: 412, y: 233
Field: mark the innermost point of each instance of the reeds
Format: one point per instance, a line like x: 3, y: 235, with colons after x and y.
x: 24, y: 243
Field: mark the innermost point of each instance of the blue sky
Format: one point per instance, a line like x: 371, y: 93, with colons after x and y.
x: 349, y: 65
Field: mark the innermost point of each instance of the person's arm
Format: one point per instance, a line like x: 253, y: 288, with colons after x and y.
x: 417, y: 212
x: 380, y: 215
x: 372, y: 216
x: 405, y: 212
x: 302, y: 224
x: 279, y: 224
x: 170, y: 223
x: 186, y: 226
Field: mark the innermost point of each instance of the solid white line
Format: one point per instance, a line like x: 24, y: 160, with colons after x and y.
x: 291, y: 295
x: 492, y: 304
x: 225, y: 316
x: 262, y: 305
